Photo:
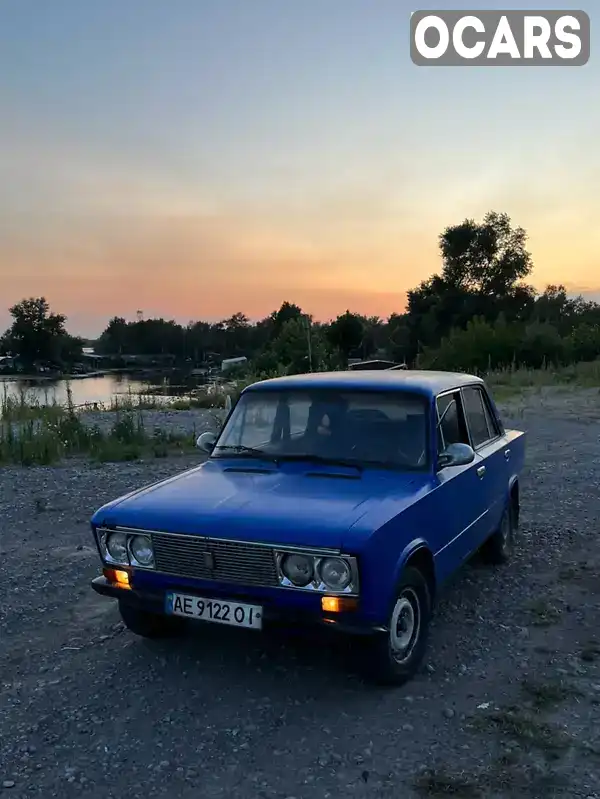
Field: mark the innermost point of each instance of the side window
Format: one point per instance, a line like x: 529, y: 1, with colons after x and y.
x: 492, y: 422
x: 452, y: 429
x: 480, y: 422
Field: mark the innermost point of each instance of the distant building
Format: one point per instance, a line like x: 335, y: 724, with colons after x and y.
x: 6, y: 362
x: 92, y: 359
x: 376, y: 363
x: 230, y: 363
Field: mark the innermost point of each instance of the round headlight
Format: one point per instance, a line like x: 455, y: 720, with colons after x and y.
x: 141, y: 549
x: 336, y: 574
x: 116, y: 546
x: 299, y: 569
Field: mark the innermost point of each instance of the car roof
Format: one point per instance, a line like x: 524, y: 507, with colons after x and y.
x: 425, y: 382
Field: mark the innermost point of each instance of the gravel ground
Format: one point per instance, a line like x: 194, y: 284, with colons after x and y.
x: 507, y: 705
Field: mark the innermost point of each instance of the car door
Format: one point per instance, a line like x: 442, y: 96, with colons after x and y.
x: 488, y: 441
x: 459, y: 503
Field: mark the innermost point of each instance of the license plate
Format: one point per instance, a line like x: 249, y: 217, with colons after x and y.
x: 236, y: 614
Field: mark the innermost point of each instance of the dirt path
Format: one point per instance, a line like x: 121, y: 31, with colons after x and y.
x: 507, y: 705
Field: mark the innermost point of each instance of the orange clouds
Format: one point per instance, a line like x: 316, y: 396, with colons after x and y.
x: 208, y: 266
x: 189, y: 267
x: 112, y: 243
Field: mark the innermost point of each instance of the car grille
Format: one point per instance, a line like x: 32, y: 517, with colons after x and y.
x: 208, y: 559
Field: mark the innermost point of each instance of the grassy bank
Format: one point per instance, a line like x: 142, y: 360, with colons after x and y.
x: 506, y: 383
x: 36, y: 434
x: 27, y: 405
x: 32, y: 432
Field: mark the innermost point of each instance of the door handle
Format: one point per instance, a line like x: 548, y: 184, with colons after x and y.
x: 507, y: 454
x: 480, y: 472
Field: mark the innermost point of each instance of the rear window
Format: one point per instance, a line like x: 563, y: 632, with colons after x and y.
x: 481, y: 422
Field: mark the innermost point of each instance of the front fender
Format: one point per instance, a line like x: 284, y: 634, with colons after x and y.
x: 405, y: 556
x: 387, y: 586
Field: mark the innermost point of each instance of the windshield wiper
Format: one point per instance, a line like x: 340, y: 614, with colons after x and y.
x: 394, y: 465
x: 321, y: 459
x: 241, y: 449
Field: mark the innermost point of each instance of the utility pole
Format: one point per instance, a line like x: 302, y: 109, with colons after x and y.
x: 309, y: 342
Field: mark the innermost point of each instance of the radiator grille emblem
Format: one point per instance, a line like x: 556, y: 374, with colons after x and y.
x: 209, y: 560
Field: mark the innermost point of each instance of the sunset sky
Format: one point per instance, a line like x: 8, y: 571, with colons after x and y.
x: 194, y: 158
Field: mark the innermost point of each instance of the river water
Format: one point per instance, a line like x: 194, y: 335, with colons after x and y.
x: 98, y: 388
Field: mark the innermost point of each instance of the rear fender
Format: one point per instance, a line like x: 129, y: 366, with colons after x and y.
x: 514, y: 500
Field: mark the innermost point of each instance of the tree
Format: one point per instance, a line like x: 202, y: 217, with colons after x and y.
x: 38, y: 335
x: 201, y: 339
x: 374, y: 336
x: 346, y: 333
x: 479, y: 346
x: 583, y: 343
x: 290, y: 349
x: 488, y: 258
x: 286, y: 312
x: 555, y: 306
x: 483, y: 265
x: 539, y: 345
x: 114, y: 339
x: 237, y: 334
x: 398, y: 337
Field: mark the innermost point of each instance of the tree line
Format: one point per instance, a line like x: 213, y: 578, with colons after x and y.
x: 477, y: 313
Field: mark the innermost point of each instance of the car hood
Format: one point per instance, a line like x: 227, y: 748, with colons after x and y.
x: 293, y: 504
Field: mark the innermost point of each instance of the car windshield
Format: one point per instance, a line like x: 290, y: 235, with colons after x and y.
x: 359, y: 428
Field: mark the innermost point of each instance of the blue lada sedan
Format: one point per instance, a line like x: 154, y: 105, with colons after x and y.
x: 346, y: 499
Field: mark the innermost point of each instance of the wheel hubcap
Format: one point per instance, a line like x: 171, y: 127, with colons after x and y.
x: 405, y: 625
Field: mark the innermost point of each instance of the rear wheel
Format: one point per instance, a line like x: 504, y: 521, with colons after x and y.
x: 500, y: 546
x: 393, y: 658
x: 148, y: 624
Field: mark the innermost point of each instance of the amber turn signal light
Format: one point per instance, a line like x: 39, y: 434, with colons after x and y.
x: 118, y: 577
x: 338, y: 604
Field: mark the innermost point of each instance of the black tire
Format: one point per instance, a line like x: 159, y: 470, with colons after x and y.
x: 147, y: 624
x: 499, y: 547
x: 385, y: 663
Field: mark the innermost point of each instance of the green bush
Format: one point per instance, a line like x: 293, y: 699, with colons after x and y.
x: 483, y: 347
x: 583, y: 343
x: 29, y: 438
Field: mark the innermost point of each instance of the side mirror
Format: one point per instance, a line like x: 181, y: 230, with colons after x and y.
x: 456, y: 455
x: 206, y: 441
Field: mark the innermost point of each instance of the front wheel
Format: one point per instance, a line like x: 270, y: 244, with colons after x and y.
x: 147, y: 624
x: 394, y: 658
